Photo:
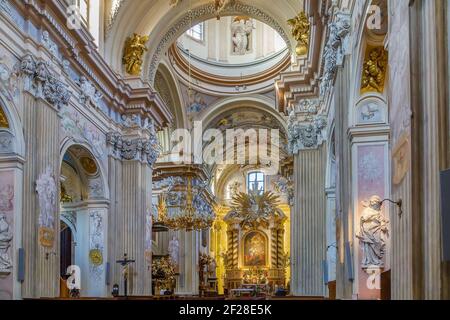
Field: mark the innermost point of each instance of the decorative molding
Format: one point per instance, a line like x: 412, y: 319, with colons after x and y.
x: 306, y: 127
x: 39, y: 81
x: 209, y: 10
x: 141, y: 149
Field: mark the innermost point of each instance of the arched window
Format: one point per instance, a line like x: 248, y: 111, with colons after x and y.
x: 197, y: 32
x: 255, y: 182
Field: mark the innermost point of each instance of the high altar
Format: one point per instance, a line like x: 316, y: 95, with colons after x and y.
x: 255, y: 232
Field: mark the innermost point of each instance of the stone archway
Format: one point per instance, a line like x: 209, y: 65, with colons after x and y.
x: 84, y: 211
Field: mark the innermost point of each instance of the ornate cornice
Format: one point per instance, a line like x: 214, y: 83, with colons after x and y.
x: 205, y: 12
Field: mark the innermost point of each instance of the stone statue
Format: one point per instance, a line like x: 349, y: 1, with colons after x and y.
x: 241, y: 28
x: 373, y: 232
x: 174, y: 249
x: 47, y: 191
x: 6, y: 237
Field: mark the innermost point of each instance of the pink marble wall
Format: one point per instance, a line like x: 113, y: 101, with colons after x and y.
x: 7, y: 208
x: 371, y: 181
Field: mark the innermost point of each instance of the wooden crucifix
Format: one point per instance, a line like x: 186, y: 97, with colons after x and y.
x: 124, y: 263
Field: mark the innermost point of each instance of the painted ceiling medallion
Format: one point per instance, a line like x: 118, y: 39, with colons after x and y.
x: 300, y: 31
x: 3, y: 120
x: 89, y: 165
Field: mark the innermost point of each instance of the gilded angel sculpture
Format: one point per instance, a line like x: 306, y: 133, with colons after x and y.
x: 134, y: 51
x: 300, y: 31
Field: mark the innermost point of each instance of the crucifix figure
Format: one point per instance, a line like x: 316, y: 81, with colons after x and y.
x: 125, y: 264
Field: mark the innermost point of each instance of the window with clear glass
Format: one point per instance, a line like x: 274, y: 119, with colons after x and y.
x: 197, y: 32
x: 255, y: 182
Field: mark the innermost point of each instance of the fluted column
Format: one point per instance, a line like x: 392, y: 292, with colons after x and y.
x: 41, y: 98
x: 130, y: 179
x: 308, y: 218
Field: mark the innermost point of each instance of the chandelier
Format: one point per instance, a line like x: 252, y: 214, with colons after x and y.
x: 195, y: 215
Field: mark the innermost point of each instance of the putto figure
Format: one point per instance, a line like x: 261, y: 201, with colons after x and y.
x: 134, y: 51
x: 373, y: 233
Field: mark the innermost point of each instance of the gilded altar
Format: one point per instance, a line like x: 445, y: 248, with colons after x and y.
x: 255, y: 233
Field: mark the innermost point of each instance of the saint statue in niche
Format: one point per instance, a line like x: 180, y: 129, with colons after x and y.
x: 241, y: 30
x: 373, y: 233
x: 254, y: 250
x: 174, y: 248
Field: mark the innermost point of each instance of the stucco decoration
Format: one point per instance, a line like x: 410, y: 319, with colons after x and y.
x: 88, y: 93
x: 40, y: 81
x: 47, y: 195
x: 335, y: 49
x: 373, y: 233
x: 307, y: 133
x: 8, y: 81
x: 202, y: 13
x: 241, y: 30
x: 74, y: 125
x: 96, y: 244
x: 6, y: 237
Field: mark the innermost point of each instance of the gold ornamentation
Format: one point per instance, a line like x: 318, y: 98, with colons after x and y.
x: 88, y: 165
x: 65, y: 198
x: 46, y: 237
x: 96, y: 257
x: 374, y: 70
x: 188, y: 219
x: 163, y: 273
x: 3, y: 120
x: 255, y: 209
x: 162, y: 209
x: 301, y: 29
x: 133, y: 53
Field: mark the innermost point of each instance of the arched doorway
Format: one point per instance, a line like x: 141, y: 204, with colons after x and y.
x: 83, y: 220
